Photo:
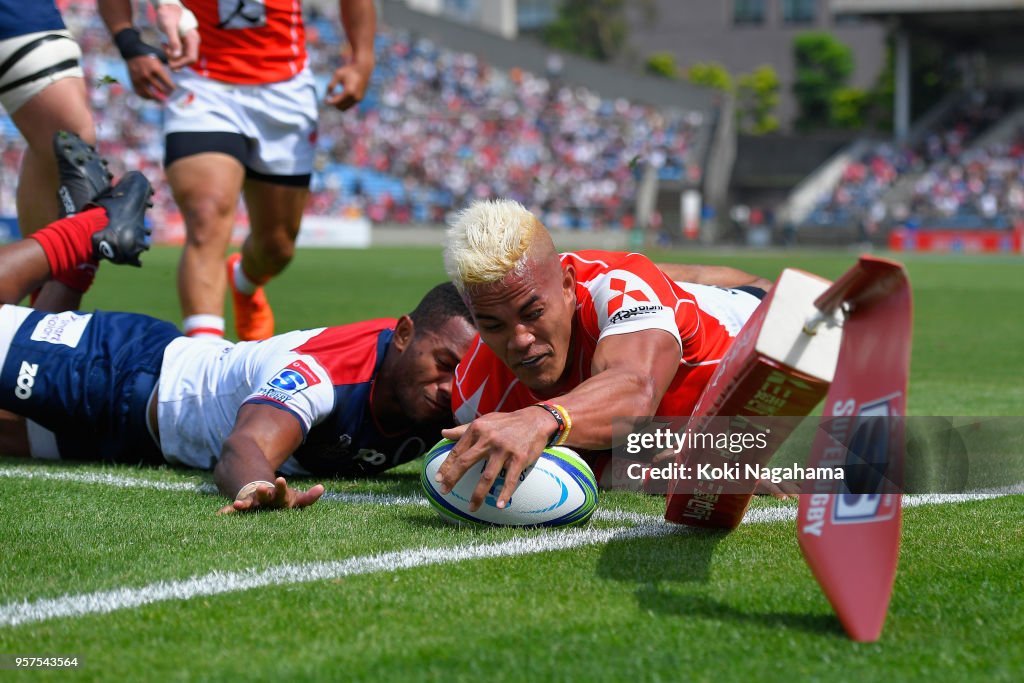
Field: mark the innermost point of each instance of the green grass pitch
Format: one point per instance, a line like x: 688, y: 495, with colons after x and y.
x: 404, y: 596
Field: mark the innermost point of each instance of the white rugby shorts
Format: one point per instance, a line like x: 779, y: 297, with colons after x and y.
x: 278, y: 119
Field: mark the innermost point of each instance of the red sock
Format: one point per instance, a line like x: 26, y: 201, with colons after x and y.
x: 80, y: 277
x: 68, y: 241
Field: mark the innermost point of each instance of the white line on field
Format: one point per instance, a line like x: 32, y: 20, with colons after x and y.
x: 778, y: 513
x: 138, y: 482
x: 351, y: 498
x: 215, y: 583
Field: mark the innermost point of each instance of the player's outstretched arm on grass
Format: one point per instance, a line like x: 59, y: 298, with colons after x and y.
x: 349, y: 82
x: 631, y: 373
x: 262, y: 439
x: 715, y: 276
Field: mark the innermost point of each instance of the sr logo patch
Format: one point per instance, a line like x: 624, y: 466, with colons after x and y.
x: 294, y: 378
x: 868, y: 459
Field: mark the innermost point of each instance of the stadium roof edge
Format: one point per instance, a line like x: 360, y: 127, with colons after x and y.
x: 531, y: 55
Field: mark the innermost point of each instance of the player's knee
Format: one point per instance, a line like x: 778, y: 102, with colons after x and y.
x: 208, y: 218
x: 277, y: 249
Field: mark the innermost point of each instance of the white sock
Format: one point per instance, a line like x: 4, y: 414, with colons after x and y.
x: 203, y: 325
x: 242, y: 283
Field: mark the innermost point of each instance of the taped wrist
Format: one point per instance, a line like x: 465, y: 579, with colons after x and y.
x: 186, y: 23
x: 130, y: 45
x: 249, y: 488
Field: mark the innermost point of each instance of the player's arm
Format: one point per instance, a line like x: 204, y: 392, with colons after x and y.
x: 716, y: 276
x: 349, y: 82
x: 631, y: 373
x: 180, y: 28
x: 262, y: 439
x: 150, y: 78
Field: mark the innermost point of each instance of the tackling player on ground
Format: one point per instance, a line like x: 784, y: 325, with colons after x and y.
x: 351, y: 400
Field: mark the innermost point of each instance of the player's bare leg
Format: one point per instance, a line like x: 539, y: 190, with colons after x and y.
x: 61, y: 106
x: 14, y: 441
x: 275, y: 213
x: 207, y: 188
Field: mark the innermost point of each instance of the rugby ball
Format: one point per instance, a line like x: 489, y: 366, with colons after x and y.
x: 558, y: 490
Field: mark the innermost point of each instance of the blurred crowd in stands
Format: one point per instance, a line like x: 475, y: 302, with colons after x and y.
x: 437, y: 129
x: 959, y: 176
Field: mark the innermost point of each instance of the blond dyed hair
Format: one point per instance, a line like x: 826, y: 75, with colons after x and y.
x: 488, y: 240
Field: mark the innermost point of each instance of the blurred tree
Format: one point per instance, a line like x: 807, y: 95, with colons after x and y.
x: 849, y: 106
x: 662, y: 64
x: 823, y: 65
x: 597, y: 29
x: 711, y: 75
x: 758, y: 94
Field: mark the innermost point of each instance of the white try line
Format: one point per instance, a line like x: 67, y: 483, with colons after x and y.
x: 216, y: 583
x: 618, y: 516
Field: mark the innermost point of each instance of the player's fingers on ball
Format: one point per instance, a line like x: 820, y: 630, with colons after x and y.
x: 487, y: 478
x: 227, y: 509
x: 513, y: 471
x: 455, y: 466
x: 455, y: 433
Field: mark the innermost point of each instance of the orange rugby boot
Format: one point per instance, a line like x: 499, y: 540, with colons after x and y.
x: 254, y: 320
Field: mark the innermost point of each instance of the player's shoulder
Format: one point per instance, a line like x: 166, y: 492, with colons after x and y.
x: 591, y: 264
x: 350, y: 353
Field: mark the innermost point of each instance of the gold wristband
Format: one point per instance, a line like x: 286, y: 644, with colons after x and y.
x: 567, y: 422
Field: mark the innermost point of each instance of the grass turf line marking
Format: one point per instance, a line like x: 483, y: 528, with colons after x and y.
x: 351, y: 498
x: 776, y: 513
x: 216, y: 583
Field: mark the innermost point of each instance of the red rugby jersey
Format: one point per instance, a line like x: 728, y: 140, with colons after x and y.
x: 249, y: 43
x: 616, y: 293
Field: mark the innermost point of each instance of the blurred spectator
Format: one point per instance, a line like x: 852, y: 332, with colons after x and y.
x: 437, y: 129
x: 952, y: 184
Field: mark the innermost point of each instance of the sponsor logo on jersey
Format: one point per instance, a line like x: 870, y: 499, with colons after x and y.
x: 294, y: 378
x: 61, y: 328
x: 637, y: 311
x: 274, y: 394
x: 26, y: 379
x: 620, y: 290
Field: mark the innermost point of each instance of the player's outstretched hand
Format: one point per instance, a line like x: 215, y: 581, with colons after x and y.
x: 509, y: 442
x: 276, y: 497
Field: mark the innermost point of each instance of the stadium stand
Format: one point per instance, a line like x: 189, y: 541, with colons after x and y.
x: 961, y: 174
x: 437, y: 129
